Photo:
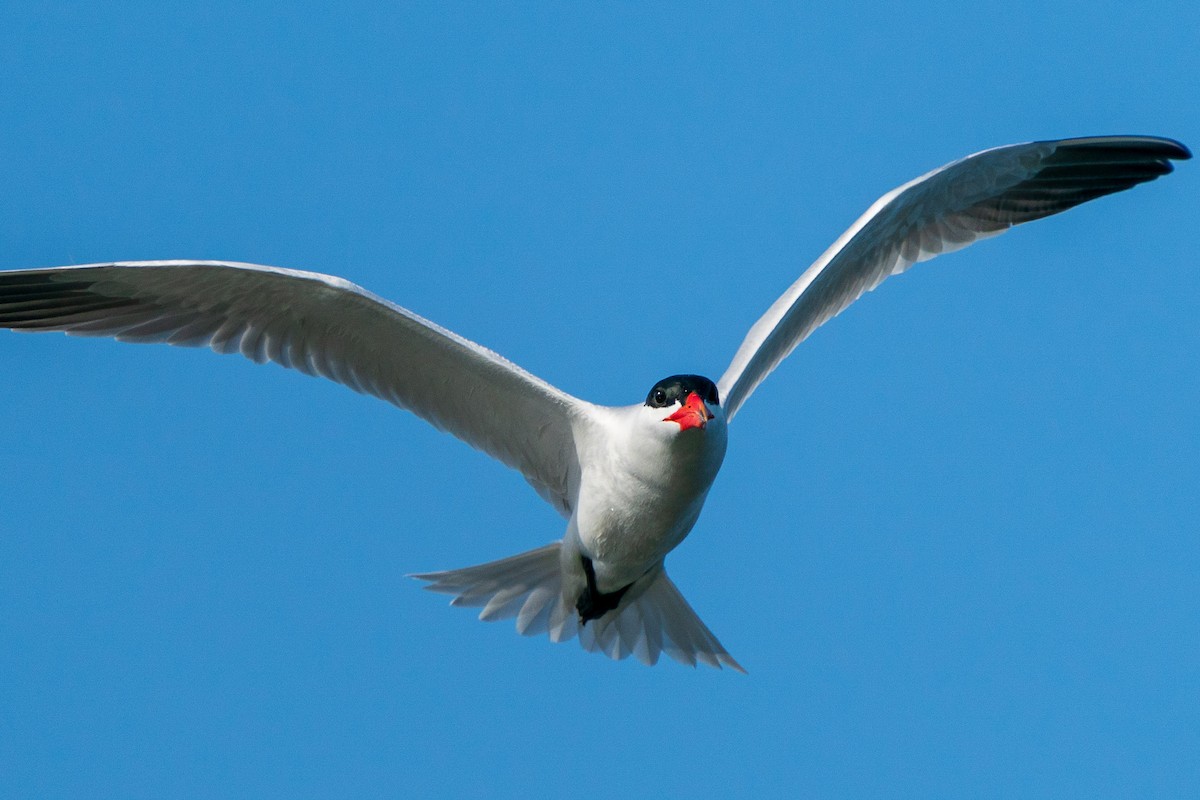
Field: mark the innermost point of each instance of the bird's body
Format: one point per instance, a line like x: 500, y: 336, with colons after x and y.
x: 642, y: 489
x: 630, y: 481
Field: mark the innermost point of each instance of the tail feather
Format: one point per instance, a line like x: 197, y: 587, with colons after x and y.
x: 527, y: 586
x: 652, y: 618
x: 691, y: 637
x: 658, y: 620
x: 534, y: 616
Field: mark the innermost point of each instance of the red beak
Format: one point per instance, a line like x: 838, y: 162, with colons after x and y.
x: 693, y: 414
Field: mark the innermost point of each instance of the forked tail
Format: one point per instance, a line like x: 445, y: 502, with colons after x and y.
x: 652, y: 618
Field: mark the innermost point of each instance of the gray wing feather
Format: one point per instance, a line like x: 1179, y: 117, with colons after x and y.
x: 322, y: 326
x: 979, y: 196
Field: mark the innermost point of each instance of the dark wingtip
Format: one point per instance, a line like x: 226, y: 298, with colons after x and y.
x: 1168, y: 148
x: 1152, y: 146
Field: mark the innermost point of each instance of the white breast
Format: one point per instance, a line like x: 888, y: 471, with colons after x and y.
x: 642, y: 485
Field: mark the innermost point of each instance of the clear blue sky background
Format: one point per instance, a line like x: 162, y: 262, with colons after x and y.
x: 955, y: 540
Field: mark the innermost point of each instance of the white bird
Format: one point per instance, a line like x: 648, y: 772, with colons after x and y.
x: 629, y: 480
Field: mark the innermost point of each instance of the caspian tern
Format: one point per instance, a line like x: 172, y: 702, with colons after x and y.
x: 629, y: 480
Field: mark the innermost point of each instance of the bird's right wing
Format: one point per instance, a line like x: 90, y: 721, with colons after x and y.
x: 981, y: 195
x: 319, y: 325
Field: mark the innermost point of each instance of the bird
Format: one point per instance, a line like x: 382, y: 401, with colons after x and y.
x: 630, y: 481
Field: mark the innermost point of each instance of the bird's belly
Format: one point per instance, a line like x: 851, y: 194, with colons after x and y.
x: 628, y: 527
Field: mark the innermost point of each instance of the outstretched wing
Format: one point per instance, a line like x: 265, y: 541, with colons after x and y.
x: 978, y: 196
x: 320, y: 325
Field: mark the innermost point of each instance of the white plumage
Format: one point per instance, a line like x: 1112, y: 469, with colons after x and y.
x: 630, y: 481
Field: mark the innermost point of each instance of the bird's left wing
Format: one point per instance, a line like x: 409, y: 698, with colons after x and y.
x: 981, y: 195
x: 320, y: 325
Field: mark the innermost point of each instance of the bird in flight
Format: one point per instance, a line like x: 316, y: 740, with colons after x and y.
x: 629, y: 480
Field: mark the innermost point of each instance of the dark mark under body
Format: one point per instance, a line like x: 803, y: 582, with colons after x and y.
x: 592, y: 603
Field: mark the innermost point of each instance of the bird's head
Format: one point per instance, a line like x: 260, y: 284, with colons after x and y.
x: 688, y: 401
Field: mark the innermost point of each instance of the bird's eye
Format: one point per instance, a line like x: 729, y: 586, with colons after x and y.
x: 660, y: 397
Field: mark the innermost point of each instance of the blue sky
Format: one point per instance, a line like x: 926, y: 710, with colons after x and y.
x: 954, y: 541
